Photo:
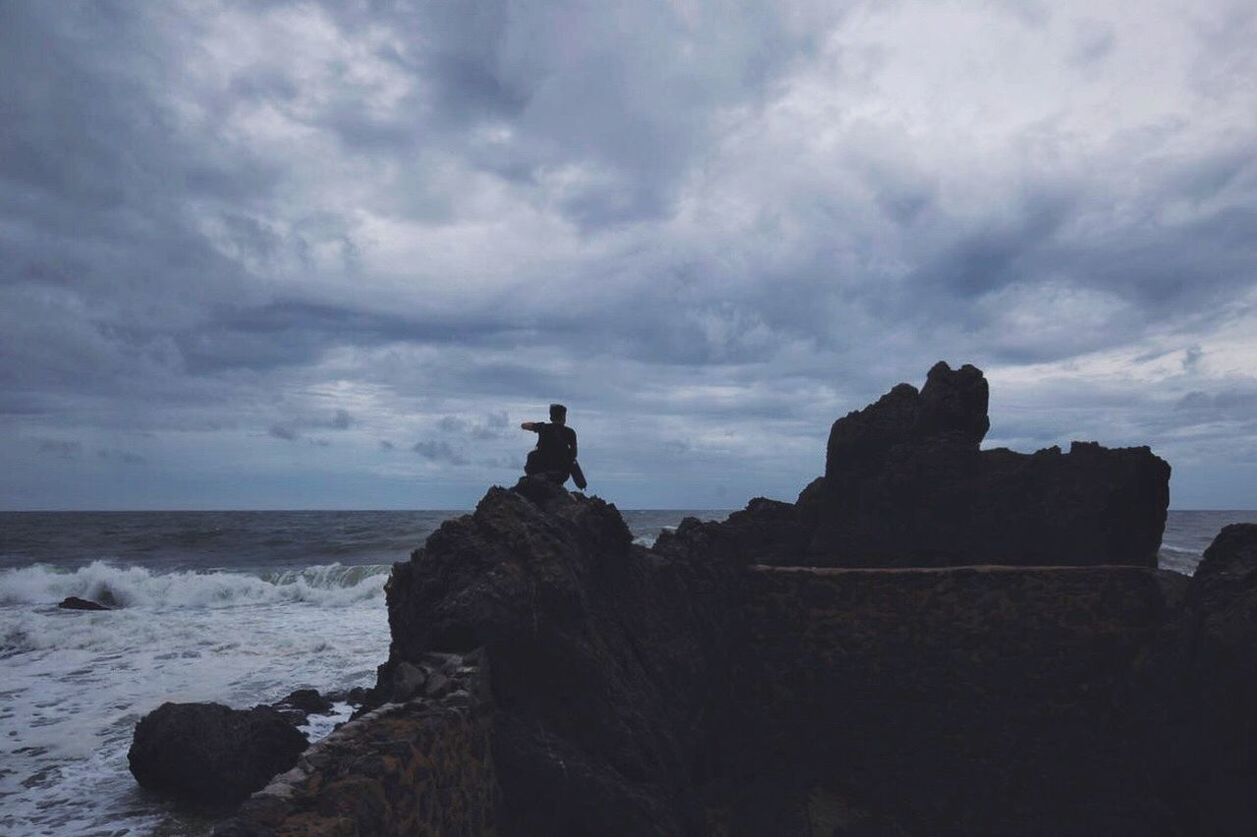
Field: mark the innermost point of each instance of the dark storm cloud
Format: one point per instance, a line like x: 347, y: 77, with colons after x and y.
x: 627, y: 92
x: 439, y: 451
x: 60, y: 448
x: 283, y: 431
x: 123, y: 457
x: 697, y: 224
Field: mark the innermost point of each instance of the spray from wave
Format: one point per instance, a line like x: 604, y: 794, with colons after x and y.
x: 331, y: 585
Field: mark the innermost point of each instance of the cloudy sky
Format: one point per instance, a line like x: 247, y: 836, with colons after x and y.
x: 300, y: 254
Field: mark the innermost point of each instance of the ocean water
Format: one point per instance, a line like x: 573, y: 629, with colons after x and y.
x: 236, y: 607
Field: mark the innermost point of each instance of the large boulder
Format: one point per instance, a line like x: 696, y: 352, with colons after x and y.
x: 906, y: 485
x: 209, y: 754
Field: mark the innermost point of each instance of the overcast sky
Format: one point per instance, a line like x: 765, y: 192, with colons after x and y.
x: 299, y: 254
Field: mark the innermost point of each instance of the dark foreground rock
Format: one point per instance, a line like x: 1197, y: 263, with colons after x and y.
x: 75, y: 603
x: 1194, y: 698
x: 549, y: 677
x: 420, y: 764
x: 209, y: 754
x: 609, y: 664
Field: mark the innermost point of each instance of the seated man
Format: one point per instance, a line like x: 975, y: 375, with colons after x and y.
x: 555, y: 455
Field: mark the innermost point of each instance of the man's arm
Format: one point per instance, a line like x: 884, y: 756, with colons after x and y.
x: 534, y: 426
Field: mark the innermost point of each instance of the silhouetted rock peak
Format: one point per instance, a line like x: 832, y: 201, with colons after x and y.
x: 954, y: 402
x: 906, y: 484
x: 952, y: 405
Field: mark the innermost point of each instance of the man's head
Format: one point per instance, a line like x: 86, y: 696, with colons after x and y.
x: 558, y: 413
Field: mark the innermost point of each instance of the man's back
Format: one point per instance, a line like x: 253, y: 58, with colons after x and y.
x: 555, y: 454
x: 557, y: 443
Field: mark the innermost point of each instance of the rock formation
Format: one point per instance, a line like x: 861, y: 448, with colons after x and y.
x: 209, y: 754
x: 612, y: 689
x: 548, y: 676
x: 606, y: 660
x: 906, y: 484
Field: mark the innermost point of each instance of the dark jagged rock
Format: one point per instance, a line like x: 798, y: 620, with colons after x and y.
x: 607, y: 660
x: 308, y: 701
x: 953, y: 404
x: 547, y: 676
x: 906, y: 485
x: 75, y: 603
x: 1194, y: 694
x: 210, y: 754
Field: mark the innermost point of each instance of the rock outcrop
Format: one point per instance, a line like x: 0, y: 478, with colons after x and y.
x: 548, y: 676
x: 209, y: 754
x: 906, y: 484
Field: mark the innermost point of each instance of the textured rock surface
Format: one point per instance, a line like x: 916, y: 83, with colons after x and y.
x: 609, y: 663
x: 423, y: 766
x: 210, y: 754
x: 906, y: 485
x: 974, y: 701
x: 559, y: 680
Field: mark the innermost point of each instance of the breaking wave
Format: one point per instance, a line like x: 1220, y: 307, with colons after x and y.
x: 332, y: 585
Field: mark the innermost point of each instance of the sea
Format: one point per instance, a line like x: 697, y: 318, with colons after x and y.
x: 240, y: 607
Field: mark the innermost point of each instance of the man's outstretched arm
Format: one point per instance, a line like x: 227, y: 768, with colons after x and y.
x: 534, y: 426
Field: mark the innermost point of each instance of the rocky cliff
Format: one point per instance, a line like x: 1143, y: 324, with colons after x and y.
x: 710, y: 686
x: 684, y: 690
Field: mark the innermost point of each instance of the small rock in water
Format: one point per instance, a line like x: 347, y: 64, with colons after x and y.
x: 210, y: 754
x: 75, y: 603
x: 308, y: 701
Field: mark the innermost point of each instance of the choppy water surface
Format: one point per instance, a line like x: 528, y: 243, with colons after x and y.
x: 236, y: 607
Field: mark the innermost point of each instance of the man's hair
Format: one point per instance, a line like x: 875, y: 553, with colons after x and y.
x: 558, y: 412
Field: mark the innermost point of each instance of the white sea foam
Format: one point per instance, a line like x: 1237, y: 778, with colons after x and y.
x: 101, y: 581
x: 73, y: 683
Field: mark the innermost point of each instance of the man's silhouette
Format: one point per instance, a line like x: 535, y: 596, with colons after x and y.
x: 555, y: 455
